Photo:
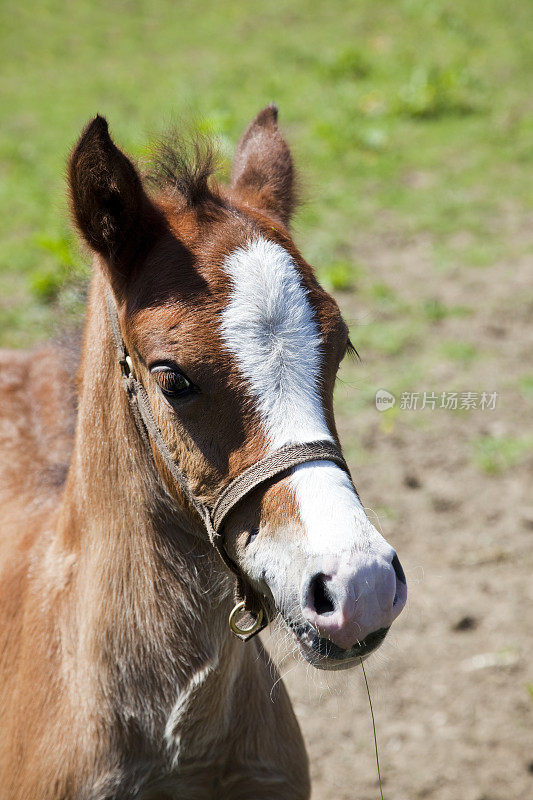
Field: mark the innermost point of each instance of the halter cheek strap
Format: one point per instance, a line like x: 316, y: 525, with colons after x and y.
x: 272, y: 466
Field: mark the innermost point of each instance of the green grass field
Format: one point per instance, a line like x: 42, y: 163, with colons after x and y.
x: 406, y: 117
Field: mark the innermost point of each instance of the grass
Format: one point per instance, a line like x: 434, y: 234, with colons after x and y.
x: 416, y: 108
x: 461, y: 352
x: 339, y: 276
x: 494, y: 454
x: 434, y: 310
x: 526, y: 385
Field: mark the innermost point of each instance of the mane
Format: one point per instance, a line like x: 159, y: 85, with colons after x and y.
x: 185, y: 165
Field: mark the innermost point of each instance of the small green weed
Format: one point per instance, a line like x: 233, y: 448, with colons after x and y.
x: 47, y: 280
x: 526, y: 386
x: 350, y: 62
x: 463, y: 352
x: 433, y: 92
x: 434, y: 310
x: 494, y: 454
x: 382, y: 294
x: 339, y: 275
x: 388, y: 337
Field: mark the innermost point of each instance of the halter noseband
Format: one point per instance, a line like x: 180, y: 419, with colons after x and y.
x: 272, y: 466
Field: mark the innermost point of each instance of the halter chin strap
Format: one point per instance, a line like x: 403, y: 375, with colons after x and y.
x: 272, y: 466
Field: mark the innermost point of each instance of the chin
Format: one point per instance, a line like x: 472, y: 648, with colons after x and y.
x: 324, y: 654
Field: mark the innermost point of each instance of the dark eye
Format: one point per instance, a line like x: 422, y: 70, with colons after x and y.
x: 252, y: 535
x: 171, y: 381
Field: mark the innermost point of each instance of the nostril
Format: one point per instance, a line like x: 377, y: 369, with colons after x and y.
x: 398, y: 569
x: 320, y: 596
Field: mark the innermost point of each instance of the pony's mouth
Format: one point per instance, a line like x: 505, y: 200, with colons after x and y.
x: 324, y: 654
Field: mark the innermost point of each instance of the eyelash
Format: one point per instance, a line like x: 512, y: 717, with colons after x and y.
x: 351, y: 352
x: 165, y: 375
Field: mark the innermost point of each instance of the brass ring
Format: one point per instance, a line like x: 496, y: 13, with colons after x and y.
x: 236, y: 629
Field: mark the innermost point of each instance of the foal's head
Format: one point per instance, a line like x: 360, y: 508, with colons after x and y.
x: 238, y: 347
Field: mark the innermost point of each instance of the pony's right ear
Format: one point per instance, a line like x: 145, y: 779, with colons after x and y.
x: 263, y: 171
x: 108, y: 199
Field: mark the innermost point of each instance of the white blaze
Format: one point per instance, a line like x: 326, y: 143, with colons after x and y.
x: 270, y: 329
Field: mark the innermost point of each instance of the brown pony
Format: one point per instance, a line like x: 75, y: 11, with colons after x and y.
x: 119, y: 676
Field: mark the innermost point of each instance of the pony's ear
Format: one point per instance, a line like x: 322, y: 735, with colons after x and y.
x: 263, y: 171
x: 108, y: 201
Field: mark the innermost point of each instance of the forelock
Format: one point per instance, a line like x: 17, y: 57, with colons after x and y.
x: 185, y: 166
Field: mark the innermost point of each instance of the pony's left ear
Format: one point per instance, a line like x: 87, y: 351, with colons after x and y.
x: 109, y: 204
x: 263, y: 171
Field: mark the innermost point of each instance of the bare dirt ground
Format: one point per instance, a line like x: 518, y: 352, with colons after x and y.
x: 452, y: 683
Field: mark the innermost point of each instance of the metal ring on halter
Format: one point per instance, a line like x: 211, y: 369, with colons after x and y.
x: 235, y: 627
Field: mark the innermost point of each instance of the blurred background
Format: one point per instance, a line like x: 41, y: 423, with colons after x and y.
x: 411, y: 122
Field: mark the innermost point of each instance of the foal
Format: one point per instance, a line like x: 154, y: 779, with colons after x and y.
x: 209, y: 348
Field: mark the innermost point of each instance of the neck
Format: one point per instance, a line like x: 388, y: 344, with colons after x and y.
x: 150, y: 599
